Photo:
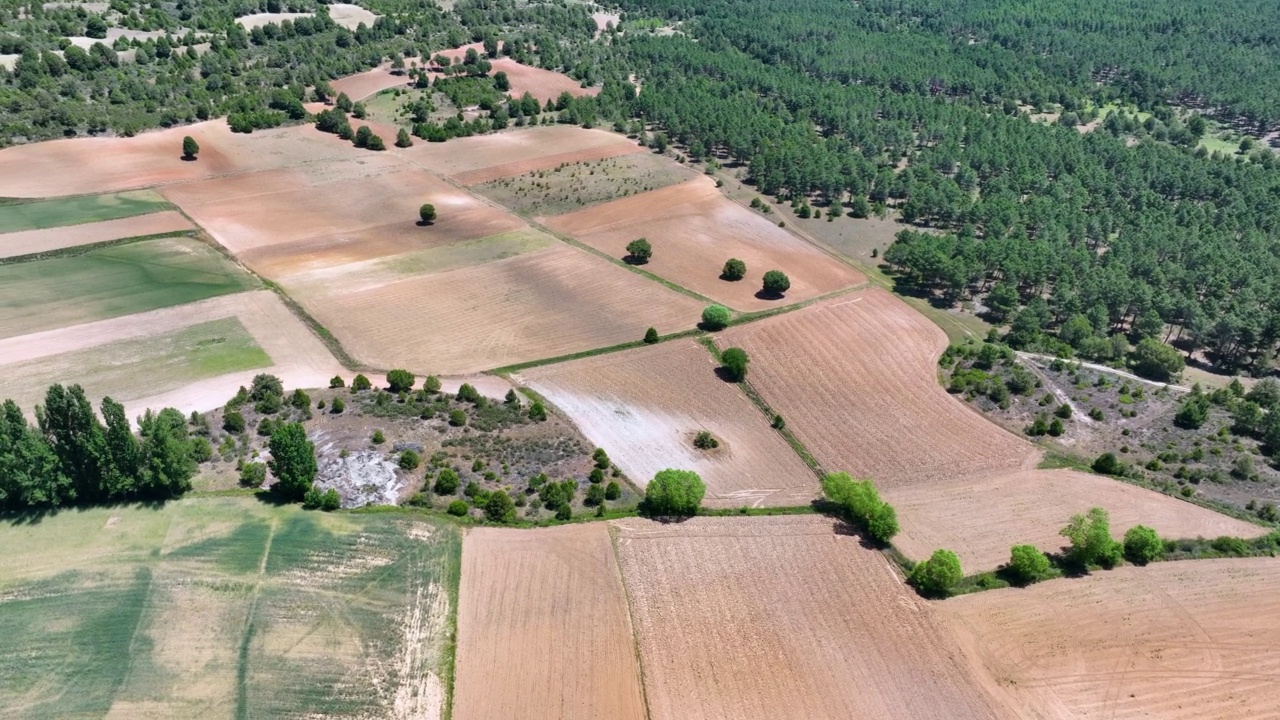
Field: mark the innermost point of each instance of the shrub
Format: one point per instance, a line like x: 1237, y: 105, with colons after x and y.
x: 410, y: 460
x: 1107, y: 464
x: 715, y: 317
x: 674, y: 493
x: 601, y: 457
x: 1193, y: 412
x: 253, y: 475
x: 338, y: 406
x: 639, y: 251
x: 468, y: 393
x: 650, y: 336
x: 1026, y: 562
x: 312, y: 499
x: 300, y: 400
x: 1157, y: 361
x: 778, y: 423
x: 704, y: 440
x: 1056, y: 427
x: 378, y: 437
x: 1142, y: 545
x: 776, y: 283
x: 458, y: 508
x: 861, y: 505
x: 512, y: 399
x: 564, y: 512
x: 734, y: 364
x: 330, y: 500
x: 1090, y: 538
x: 446, y: 482
x: 360, y: 383
x: 1063, y: 411
x: 336, y: 382
x: 499, y: 507
x: 734, y: 270
x: 233, y: 422
x: 457, y: 418
x: 269, y: 404
x: 612, y: 491
x: 431, y: 384
x: 537, y: 411
x: 937, y: 575
x: 595, y: 495
x: 399, y: 381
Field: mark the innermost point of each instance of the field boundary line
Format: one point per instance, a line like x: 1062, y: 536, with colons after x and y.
x: 449, y: 658
x: 631, y: 618
x: 246, y: 638
x: 75, y: 250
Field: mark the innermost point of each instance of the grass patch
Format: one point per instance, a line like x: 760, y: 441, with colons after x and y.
x: 572, y: 186
x: 508, y: 369
x: 40, y: 214
x: 467, y: 253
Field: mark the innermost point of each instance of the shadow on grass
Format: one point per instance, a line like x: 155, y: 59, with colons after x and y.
x: 35, y: 516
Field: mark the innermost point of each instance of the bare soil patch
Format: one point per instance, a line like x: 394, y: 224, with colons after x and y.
x: 543, y: 628
x: 572, y: 186
x: 542, y: 84
x: 855, y: 378
x: 694, y: 230
x: 784, y: 617
x: 344, y: 14
x: 1171, y: 640
x: 981, y: 519
x: 482, y: 158
x: 644, y: 406
x: 31, y: 242
x: 362, y: 85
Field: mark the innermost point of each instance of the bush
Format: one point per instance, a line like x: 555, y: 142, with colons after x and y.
x: 650, y: 336
x: 1142, y: 545
x: 639, y: 251
x: 601, y: 457
x: 410, y: 460
x: 778, y: 423
x: 674, y: 493
x: 458, y: 508
x: 467, y: 393
x: 564, y: 512
x: 190, y: 148
x: 734, y: 364
x: 378, y: 438
x: 399, y: 381
x: 1193, y: 412
x: 233, y: 422
x: 612, y: 491
x: 427, y: 213
x: 431, y: 384
x: 330, y: 500
x: 776, y: 283
x: 1090, y: 538
x: 937, y: 575
x: 715, y: 317
x: 734, y: 270
x: 537, y: 411
x: 446, y: 482
x: 312, y: 499
x: 253, y: 474
x: 595, y: 495
x: 704, y: 440
x: 360, y: 383
x: 1027, y: 563
x: 596, y: 476
x: 338, y: 406
x: 1107, y: 464
x: 861, y: 505
x: 269, y: 404
x: 457, y: 418
x: 499, y: 507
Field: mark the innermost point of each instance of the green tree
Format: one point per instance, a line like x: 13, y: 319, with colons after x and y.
x: 734, y: 269
x: 1154, y: 360
x: 595, y: 495
x: 715, y: 317
x: 360, y: 383
x: 612, y: 491
x: 499, y: 508
x: 537, y: 411
x: 674, y: 493
x: 457, y: 418
x: 1108, y: 464
x: 403, y: 140
x: 468, y: 393
x: 427, y: 213
x: 1091, y: 541
x: 293, y: 461
x: 860, y: 503
x: 337, y: 406
x: 937, y: 575
x: 776, y: 283
x: 733, y: 363
x: 446, y: 482
x: 458, y: 508
x: 1027, y: 563
x: 1142, y: 545
x: 72, y: 430
x: 399, y: 381
x: 253, y: 474
x: 639, y: 251
x: 336, y: 382
x: 601, y: 457
x: 31, y: 474
x: 410, y: 460
x: 190, y: 148
x: 650, y: 336
x: 501, y: 82
x: 1193, y: 412
x: 512, y: 399
x: 167, y: 465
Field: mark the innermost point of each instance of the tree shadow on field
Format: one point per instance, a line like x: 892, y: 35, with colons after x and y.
x: 763, y: 294
x: 35, y: 516
x: 266, y: 497
x: 423, y: 223
x: 187, y: 158
x: 726, y: 375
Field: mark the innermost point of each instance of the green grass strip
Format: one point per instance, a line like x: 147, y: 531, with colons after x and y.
x: 16, y: 216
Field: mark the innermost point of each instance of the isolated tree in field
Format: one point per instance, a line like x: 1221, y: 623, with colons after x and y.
x: 674, y: 493
x: 427, y: 213
x: 650, y: 336
x: 937, y: 575
x: 403, y: 140
x: 733, y: 363
x: 776, y: 283
x: 1142, y: 545
x: 715, y: 317
x: 399, y: 381
x: 1026, y: 562
x: 190, y: 148
x: 293, y: 461
x: 1091, y: 541
x: 734, y: 269
x: 639, y: 251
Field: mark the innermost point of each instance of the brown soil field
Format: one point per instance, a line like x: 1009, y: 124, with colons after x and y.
x: 981, y: 519
x: 345, y: 14
x: 1175, y: 640
x: 483, y: 158
x: 785, y: 617
x: 694, y: 230
x: 362, y: 85
x: 856, y: 380
x: 30, y: 242
x: 645, y: 406
x: 543, y: 628
x: 542, y: 84
x: 573, y: 186
x: 549, y: 302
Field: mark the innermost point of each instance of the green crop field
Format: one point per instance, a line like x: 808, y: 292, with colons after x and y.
x: 112, y: 281
x: 223, y: 608
x: 39, y: 214
x: 140, y: 367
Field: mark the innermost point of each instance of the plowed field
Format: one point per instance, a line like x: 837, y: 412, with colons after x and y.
x: 362, y: 85
x: 646, y: 405
x: 694, y: 230
x: 981, y: 519
x: 1180, y: 640
x: 31, y: 242
x: 543, y: 629
x: 782, y: 617
x: 482, y: 158
x: 542, y: 84
x: 855, y: 379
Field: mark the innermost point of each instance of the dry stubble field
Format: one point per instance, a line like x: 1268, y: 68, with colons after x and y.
x: 785, y: 617
x: 980, y: 519
x: 694, y: 229
x: 646, y: 405
x: 1172, y: 640
x: 484, y: 158
x: 32, y: 242
x: 856, y: 380
x: 543, y: 627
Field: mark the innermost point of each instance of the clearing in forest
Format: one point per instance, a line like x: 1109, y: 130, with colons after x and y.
x: 981, y: 519
x: 1175, y: 640
x: 543, y: 627
x: 646, y: 406
x: 694, y: 229
x: 224, y: 606
x: 483, y: 158
x: 34, y: 242
x: 784, y: 617
x: 856, y: 379
x: 572, y: 186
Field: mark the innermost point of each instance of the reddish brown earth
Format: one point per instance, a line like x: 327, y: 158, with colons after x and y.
x: 482, y: 158
x: 30, y: 242
x: 362, y: 85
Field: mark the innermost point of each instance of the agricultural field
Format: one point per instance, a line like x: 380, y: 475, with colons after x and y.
x: 226, y: 607
x: 647, y: 405
x: 544, y: 628
x: 485, y: 158
x: 16, y: 216
x: 1170, y: 640
x: 785, y: 617
x: 371, y: 82
x: 981, y: 519
x: 36, y: 242
x: 855, y: 378
x: 573, y: 186
x: 694, y: 229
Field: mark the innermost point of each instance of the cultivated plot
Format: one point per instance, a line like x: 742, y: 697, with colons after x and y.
x: 543, y: 628
x: 855, y: 378
x: 694, y: 230
x: 362, y: 85
x: 223, y: 607
x: 542, y: 84
x: 483, y: 158
x: 32, y: 242
x: 646, y: 406
x: 1171, y: 640
x: 39, y: 214
x: 981, y: 518
x: 784, y: 617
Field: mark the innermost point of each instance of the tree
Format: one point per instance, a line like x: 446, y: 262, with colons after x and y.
x: 595, y: 495
x: 734, y: 269
x: 601, y: 457
x: 403, y: 140
x: 233, y: 422
x: 776, y: 283
x: 253, y: 474
x: 612, y: 491
x: 376, y: 143
x: 1193, y: 412
x: 293, y: 461
x: 336, y: 382
x: 1107, y: 464
x: 501, y: 82
x: 499, y: 507
x: 427, y: 213
x: 512, y: 399
x: 1091, y: 541
x: 704, y: 440
x: 937, y: 575
x: 650, y: 336
x: 409, y: 460
x: 537, y: 412
x: 715, y: 317
x: 190, y: 148
x: 360, y: 383
x: 674, y: 493
x: 860, y: 503
x: 458, y: 508
x: 31, y: 474
x: 446, y: 482
x: 1027, y: 563
x: 337, y: 406
x: 399, y: 381
x: 457, y: 418
x: 468, y: 393
x: 1154, y: 360
x: 639, y: 251
x: 733, y: 364
x: 1142, y: 545
x: 362, y: 136
x: 167, y: 464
